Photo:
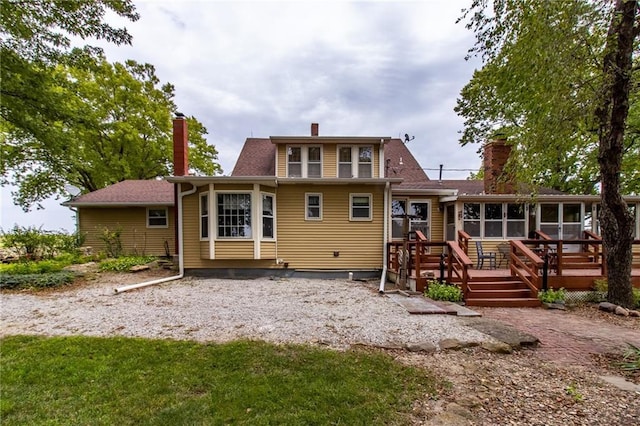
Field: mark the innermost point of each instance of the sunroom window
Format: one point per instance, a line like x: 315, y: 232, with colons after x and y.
x: 267, y: 216
x: 234, y: 215
x: 471, y: 219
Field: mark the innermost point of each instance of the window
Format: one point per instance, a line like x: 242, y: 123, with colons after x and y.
x: 304, y: 161
x: 493, y: 220
x: 313, y: 206
x: 204, y: 216
x: 420, y: 217
x: 234, y: 215
x: 398, y: 210
x: 294, y: 161
x: 344, y: 162
x: 516, y: 221
x: 267, y: 216
x: 365, y: 161
x: 314, y: 162
x: 157, y: 218
x: 360, y: 206
x: 362, y: 167
x: 471, y: 219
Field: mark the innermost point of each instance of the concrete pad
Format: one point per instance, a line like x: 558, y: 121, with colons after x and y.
x: 461, y: 311
x: 418, y: 305
x: 621, y: 383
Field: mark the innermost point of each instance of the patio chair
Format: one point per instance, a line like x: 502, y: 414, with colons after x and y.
x: 482, y: 255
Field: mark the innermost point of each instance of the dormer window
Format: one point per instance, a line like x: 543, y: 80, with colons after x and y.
x: 362, y: 167
x: 304, y: 161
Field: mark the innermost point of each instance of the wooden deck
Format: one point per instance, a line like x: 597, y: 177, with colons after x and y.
x: 532, y: 265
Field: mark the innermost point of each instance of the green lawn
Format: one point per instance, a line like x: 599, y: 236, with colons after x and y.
x: 120, y: 381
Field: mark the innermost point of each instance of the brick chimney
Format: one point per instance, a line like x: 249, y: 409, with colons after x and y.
x: 180, y: 146
x: 314, y: 129
x: 496, y: 180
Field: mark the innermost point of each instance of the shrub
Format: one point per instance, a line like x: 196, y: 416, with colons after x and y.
x: 441, y: 291
x: 35, y: 243
x: 636, y: 298
x: 47, y: 280
x: 552, y: 296
x: 631, y: 358
x: 112, y: 241
x: 124, y: 263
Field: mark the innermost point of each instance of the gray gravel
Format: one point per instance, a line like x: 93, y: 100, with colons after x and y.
x: 337, y: 313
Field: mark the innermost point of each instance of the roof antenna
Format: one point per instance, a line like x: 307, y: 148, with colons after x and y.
x: 407, y: 138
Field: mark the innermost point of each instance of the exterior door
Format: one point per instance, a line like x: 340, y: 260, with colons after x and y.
x: 561, y: 221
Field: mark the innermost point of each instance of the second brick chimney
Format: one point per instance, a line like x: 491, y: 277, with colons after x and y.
x: 314, y: 129
x: 180, y: 146
x: 496, y: 179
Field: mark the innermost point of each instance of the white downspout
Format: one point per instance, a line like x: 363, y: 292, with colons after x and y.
x: 180, y: 252
x: 383, y: 278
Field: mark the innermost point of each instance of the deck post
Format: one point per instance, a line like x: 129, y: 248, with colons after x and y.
x: 441, y: 268
x: 545, y: 271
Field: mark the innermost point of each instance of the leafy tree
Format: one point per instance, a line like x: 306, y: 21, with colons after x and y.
x: 124, y: 131
x: 68, y: 116
x: 553, y: 73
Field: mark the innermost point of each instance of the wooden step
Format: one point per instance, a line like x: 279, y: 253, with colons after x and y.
x: 515, y: 302
x: 522, y: 293
x: 496, y: 285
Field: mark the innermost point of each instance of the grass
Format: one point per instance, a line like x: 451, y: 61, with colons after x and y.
x: 104, y: 381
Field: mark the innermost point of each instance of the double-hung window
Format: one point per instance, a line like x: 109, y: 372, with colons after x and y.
x: 313, y: 207
x: 267, y: 216
x: 157, y: 218
x: 360, y: 208
x: 471, y: 219
x: 304, y: 161
x: 234, y: 215
x: 204, y: 216
x: 355, y: 161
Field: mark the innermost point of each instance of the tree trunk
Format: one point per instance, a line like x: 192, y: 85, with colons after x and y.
x: 615, y: 219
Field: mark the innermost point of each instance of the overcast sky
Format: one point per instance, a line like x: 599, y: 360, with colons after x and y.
x: 272, y: 68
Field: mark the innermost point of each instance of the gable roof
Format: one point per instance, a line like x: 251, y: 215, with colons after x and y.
x: 128, y: 193
x: 401, y: 163
x: 257, y: 158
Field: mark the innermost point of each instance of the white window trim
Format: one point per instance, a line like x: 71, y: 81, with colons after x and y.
x: 166, y: 217
x: 304, y: 159
x: 505, y: 220
x: 361, y: 219
x: 429, y: 213
x: 204, y: 195
x: 262, y: 237
x: 253, y: 225
x: 355, y: 159
x: 306, y: 206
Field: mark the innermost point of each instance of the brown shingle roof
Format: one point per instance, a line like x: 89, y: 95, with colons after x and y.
x: 395, y: 150
x: 257, y: 158
x: 128, y: 192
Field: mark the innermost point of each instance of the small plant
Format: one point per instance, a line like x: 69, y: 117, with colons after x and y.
x: 574, y: 393
x: 552, y: 296
x: 36, y: 281
x: 124, y: 263
x: 440, y: 291
x: 112, y: 241
x: 636, y: 297
x: 601, y: 285
x: 631, y: 358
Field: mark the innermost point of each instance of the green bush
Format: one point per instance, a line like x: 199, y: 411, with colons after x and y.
x: 37, y: 281
x: 636, y: 297
x: 34, y: 243
x: 124, y: 263
x: 440, y: 291
x: 552, y: 296
x: 112, y: 241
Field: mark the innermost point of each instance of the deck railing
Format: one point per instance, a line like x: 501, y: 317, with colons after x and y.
x: 458, y: 265
x: 463, y: 241
x: 525, y: 264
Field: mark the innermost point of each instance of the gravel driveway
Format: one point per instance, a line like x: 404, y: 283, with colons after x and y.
x: 337, y: 313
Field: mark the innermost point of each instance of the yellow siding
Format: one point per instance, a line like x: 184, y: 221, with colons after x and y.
x: 282, y: 161
x: 268, y: 250
x: 136, y: 238
x: 193, y: 247
x: 437, y: 220
x: 330, y: 162
x: 237, y: 249
x: 311, y: 244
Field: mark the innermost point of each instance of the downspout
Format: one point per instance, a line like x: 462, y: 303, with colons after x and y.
x: 180, y: 249
x: 383, y: 278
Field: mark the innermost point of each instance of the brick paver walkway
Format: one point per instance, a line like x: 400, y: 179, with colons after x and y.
x: 566, y: 338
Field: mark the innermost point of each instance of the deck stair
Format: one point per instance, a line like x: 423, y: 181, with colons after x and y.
x: 499, y: 291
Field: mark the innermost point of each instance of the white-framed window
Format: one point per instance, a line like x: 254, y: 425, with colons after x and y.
x: 157, y: 217
x: 268, y: 213
x: 365, y: 161
x: 495, y: 220
x: 313, y: 206
x: 355, y: 161
x: 345, y: 165
x: 420, y: 212
x: 204, y: 216
x: 304, y: 161
x: 398, y: 211
x: 234, y: 215
x: 360, y: 207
